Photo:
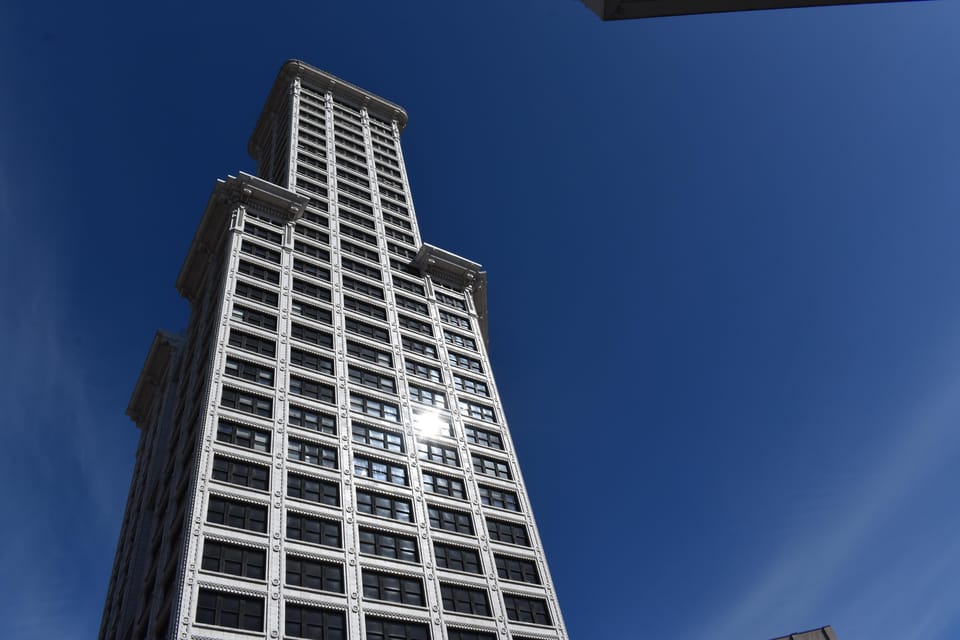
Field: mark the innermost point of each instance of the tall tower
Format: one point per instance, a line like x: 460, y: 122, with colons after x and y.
x: 324, y: 453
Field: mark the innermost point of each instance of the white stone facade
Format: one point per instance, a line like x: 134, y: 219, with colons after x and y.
x: 324, y: 454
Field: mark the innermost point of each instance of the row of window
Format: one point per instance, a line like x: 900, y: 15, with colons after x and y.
x: 259, y: 439
x: 256, y: 476
x: 245, y: 612
x: 253, y: 517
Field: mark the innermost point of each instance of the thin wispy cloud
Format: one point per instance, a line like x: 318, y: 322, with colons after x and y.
x: 817, y: 563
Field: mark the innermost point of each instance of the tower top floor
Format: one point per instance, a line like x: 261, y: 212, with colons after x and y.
x: 319, y: 81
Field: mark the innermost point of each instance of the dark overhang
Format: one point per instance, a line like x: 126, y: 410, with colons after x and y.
x: 627, y: 9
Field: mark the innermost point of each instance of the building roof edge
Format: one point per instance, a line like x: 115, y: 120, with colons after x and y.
x: 322, y: 81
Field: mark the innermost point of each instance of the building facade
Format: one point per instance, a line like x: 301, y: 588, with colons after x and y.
x: 324, y: 453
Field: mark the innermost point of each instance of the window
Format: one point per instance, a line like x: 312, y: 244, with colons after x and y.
x: 260, y: 232
x: 363, y: 269
x: 428, y: 396
x: 246, y: 402
x: 313, y: 312
x: 470, y: 385
x: 244, y: 370
x: 313, y: 489
x: 413, y: 305
x: 412, y: 287
x: 419, y: 347
x: 313, y: 623
x: 376, y: 408
x: 315, y: 530
x: 410, y: 254
x: 421, y: 370
x: 362, y: 236
x: 365, y: 308
x: 465, y: 600
x: 252, y: 343
x: 455, y: 302
x: 457, y: 558
x: 313, y: 234
x: 312, y: 453
x: 439, y: 453
x: 352, y: 284
x: 260, y: 251
x: 465, y: 362
x: 432, y: 422
x: 316, y: 218
x: 388, y: 545
x: 509, y: 532
x: 369, y: 354
x: 254, y: 318
x: 392, y: 588
x: 260, y: 273
x: 499, y: 498
x: 380, y: 334
x: 483, y: 438
x: 463, y: 634
x: 415, y: 325
x: 454, y: 319
x: 522, y: 609
x: 492, y: 467
x: 257, y: 294
x: 394, y: 233
x: 384, y: 506
x: 372, y: 380
x: 313, y: 420
x: 380, y: 470
x: 312, y: 389
x: 234, y: 560
x: 517, y: 569
x: 310, y: 335
x: 310, y: 269
x: 314, y: 574
x: 311, y: 290
x: 443, y: 485
x: 450, y: 520
x: 247, y: 437
x: 243, y: 474
x: 376, y: 437
x: 229, y: 610
x: 360, y: 252
x: 313, y: 251
x: 392, y: 219
x: 234, y: 513
x: 356, y: 204
x: 312, y: 361
x: 476, y: 410
x: 383, y: 629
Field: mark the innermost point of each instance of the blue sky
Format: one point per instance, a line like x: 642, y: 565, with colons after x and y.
x: 723, y: 265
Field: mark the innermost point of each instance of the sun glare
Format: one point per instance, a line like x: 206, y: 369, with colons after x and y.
x: 428, y: 424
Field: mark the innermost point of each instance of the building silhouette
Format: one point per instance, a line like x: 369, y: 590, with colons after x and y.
x: 823, y: 633
x: 324, y: 454
x: 631, y: 9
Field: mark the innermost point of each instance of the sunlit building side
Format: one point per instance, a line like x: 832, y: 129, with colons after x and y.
x: 323, y: 453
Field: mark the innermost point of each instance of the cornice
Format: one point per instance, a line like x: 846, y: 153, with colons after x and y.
x: 322, y: 82
x: 466, y: 275
x: 244, y: 190
x: 150, y: 382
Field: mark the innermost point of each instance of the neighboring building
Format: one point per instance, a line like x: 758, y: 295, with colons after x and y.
x: 627, y: 9
x: 324, y: 453
x: 823, y: 633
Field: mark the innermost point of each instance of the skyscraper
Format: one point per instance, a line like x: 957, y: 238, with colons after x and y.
x: 324, y: 453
